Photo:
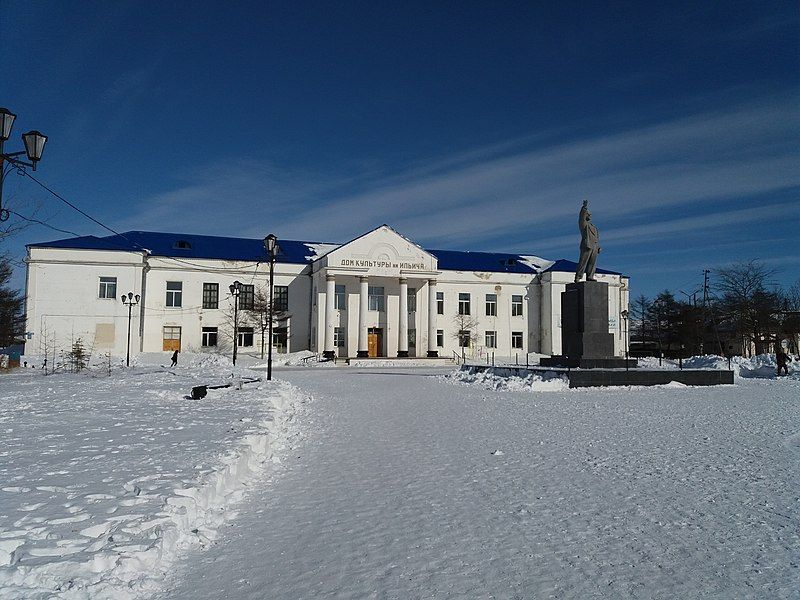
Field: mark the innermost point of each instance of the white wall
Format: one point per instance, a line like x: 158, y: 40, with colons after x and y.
x: 63, y: 301
x: 63, y: 289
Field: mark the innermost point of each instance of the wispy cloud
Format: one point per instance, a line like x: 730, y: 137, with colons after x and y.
x: 516, y: 189
x: 672, y: 228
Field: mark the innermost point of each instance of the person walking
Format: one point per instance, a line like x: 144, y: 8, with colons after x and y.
x: 174, y: 359
x: 781, y: 358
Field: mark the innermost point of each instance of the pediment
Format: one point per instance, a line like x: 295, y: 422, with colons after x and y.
x: 380, y: 252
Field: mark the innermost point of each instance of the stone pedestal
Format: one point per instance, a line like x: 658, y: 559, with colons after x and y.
x: 585, y: 339
x: 584, y: 321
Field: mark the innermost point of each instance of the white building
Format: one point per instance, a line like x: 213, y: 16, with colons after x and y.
x: 377, y: 295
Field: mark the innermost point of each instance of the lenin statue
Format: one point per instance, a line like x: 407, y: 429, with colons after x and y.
x: 590, y: 244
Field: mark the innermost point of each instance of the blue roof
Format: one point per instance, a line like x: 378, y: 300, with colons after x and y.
x: 454, y: 260
x: 179, y: 245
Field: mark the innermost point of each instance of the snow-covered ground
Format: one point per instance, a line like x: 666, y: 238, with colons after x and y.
x: 105, y: 480
x: 395, y: 483
x: 411, y: 485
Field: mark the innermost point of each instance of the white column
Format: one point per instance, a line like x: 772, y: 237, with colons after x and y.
x: 363, y: 307
x: 433, y: 350
x: 402, y: 331
x: 330, y: 315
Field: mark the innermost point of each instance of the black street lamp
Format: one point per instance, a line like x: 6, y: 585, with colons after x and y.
x: 625, y: 340
x: 34, y: 146
x: 271, y: 245
x: 235, y: 288
x: 130, y: 301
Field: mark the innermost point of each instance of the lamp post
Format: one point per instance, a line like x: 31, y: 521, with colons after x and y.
x: 235, y: 288
x: 130, y: 301
x: 624, y: 315
x: 34, y: 146
x: 271, y: 245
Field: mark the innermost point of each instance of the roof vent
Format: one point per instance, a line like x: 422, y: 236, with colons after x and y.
x: 182, y: 245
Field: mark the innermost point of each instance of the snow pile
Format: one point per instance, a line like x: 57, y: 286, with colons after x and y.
x: 763, y: 366
x: 651, y: 363
x: 498, y: 378
x: 301, y: 358
x: 104, y: 482
x: 400, y: 363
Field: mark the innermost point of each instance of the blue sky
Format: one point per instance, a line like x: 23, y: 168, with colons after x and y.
x: 471, y: 126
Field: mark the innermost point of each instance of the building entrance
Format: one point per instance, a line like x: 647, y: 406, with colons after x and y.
x: 375, y: 342
x: 172, y: 339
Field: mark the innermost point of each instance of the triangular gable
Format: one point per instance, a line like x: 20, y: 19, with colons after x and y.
x: 381, y: 252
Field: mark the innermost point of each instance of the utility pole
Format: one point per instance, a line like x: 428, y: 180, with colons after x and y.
x: 710, y: 311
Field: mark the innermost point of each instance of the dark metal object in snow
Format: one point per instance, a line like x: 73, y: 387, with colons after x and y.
x: 201, y: 391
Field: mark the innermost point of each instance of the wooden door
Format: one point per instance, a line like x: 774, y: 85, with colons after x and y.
x: 172, y: 339
x: 375, y: 342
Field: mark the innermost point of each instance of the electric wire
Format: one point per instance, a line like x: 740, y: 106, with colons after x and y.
x: 117, y: 233
x: 43, y: 223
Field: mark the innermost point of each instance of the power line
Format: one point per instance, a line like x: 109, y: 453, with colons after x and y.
x: 71, y: 205
x: 38, y: 222
x: 131, y: 242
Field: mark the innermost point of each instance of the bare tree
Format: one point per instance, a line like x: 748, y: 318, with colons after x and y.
x: 258, y: 315
x: 466, y: 331
x: 640, y: 317
x: 749, y: 302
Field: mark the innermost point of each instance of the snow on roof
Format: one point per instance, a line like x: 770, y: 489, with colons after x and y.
x: 180, y: 245
x: 319, y: 250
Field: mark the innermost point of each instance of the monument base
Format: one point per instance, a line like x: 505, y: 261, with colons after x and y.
x: 568, y: 362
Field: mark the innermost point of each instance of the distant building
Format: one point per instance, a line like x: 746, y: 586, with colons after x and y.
x: 378, y: 295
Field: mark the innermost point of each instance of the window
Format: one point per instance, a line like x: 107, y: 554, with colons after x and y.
x: 516, y: 306
x: 247, y: 297
x: 108, y: 287
x: 516, y: 339
x: 463, y: 303
x: 211, y: 295
x: 209, y: 336
x: 175, y: 294
x: 376, y: 298
x: 340, y: 297
x: 280, y: 298
x: 339, y: 336
x: 439, y: 303
x: 491, y: 339
x: 491, y: 305
x: 245, y: 336
x: 412, y: 300
x: 412, y: 338
x: 440, y: 338
x: 463, y: 338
